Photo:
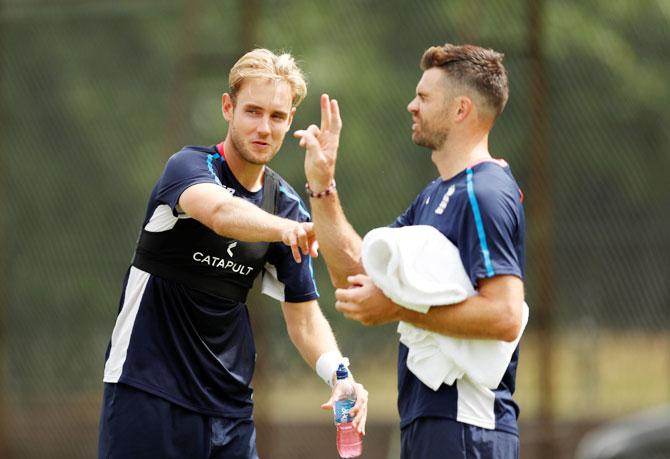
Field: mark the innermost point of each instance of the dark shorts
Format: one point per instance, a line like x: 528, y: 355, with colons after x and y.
x: 440, y: 438
x: 136, y: 424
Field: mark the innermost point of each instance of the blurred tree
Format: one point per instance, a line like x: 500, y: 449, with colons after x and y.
x: 85, y: 136
x: 89, y: 89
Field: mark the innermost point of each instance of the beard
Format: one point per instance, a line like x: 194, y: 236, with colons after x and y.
x: 259, y: 159
x: 431, y: 137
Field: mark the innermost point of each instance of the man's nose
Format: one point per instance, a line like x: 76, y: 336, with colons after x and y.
x: 264, y: 125
x: 412, y: 107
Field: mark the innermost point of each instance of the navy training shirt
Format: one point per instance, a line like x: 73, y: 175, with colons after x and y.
x: 480, y: 211
x: 183, y: 331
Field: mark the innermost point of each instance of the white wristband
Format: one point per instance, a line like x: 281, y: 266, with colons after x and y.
x: 327, y: 363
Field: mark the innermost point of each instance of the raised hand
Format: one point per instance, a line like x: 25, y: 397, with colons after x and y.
x: 321, y: 144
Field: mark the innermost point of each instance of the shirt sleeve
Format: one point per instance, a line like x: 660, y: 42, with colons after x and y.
x: 407, y: 217
x: 184, y: 169
x: 294, y: 281
x: 492, y: 236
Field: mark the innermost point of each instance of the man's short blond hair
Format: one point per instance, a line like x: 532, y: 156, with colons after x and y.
x: 263, y: 63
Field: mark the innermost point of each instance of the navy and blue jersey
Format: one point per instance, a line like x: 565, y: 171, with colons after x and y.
x: 183, y: 331
x: 480, y: 211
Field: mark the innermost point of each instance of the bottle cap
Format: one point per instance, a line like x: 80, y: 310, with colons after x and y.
x: 342, y: 372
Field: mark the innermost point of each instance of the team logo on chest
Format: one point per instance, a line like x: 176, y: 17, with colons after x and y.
x: 230, y: 248
x: 445, y: 200
x: 222, y: 263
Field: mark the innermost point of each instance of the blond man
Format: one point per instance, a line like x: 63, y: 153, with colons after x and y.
x: 181, y: 357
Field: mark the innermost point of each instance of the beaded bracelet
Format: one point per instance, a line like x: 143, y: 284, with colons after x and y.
x: 321, y: 194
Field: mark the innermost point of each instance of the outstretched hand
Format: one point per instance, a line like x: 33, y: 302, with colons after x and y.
x: 321, y: 144
x: 300, y: 237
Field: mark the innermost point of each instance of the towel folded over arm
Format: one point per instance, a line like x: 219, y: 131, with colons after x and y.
x: 418, y: 267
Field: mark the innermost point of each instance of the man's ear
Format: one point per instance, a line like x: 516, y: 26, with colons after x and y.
x: 227, y: 106
x: 290, y: 117
x: 463, y: 108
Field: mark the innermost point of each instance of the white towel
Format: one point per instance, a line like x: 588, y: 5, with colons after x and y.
x: 418, y: 267
x: 415, y: 266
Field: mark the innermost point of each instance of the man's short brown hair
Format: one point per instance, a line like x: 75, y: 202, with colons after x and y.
x: 477, y: 68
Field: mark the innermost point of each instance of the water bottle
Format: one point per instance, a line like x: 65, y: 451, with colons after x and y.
x: 349, y: 440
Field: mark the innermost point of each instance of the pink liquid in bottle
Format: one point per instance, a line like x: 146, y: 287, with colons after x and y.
x: 349, y: 441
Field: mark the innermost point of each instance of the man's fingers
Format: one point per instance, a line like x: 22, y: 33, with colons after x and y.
x: 342, y: 306
x: 314, y: 130
x: 309, y: 227
x: 360, y: 412
x: 343, y: 294
x: 309, y: 238
x: 346, y: 308
x: 292, y: 241
x: 296, y: 252
x: 335, y: 119
x: 314, y: 248
x: 356, y: 280
x: 360, y: 409
x: 351, y: 311
x: 307, y: 139
x: 303, y: 240
x: 328, y: 405
x: 325, y: 112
